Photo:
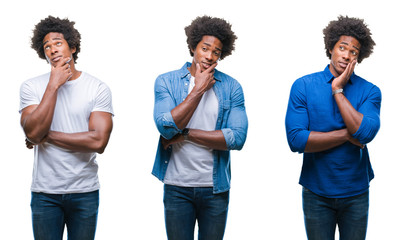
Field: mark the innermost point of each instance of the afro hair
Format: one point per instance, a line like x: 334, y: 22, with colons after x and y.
x: 55, y: 24
x: 353, y: 27
x: 210, y: 26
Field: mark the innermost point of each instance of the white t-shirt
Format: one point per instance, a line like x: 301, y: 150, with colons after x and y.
x: 191, y: 165
x: 57, y: 170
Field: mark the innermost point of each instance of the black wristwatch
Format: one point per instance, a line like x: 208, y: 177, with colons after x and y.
x: 185, y: 133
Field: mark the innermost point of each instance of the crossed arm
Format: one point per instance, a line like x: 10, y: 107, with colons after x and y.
x: 320, y: 141
x: 36, y: 120
x: 93, y: 140
x: 181, y: 114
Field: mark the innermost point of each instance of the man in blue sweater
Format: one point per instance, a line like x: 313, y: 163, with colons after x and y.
x: 331, y: 116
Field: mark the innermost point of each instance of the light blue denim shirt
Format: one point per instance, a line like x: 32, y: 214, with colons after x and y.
x: 170, y: 90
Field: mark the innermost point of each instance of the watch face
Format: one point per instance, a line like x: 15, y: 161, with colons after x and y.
x: 185, y: 131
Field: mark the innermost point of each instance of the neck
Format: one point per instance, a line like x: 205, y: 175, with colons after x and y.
x: 192, y: 69
x: 75, y: 73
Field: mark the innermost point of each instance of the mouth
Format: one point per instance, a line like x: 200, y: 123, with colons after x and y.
x: 56, y: 59
x: 206, y: 65
x: 343, y: 65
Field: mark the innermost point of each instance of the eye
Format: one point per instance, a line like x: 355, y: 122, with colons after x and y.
x: 217, y: 53
x: 204, y: 49
x: 58, y: 43
x: 341, y: 47
x: 354, y: 53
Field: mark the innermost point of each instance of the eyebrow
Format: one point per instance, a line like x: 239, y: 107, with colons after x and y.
x: 345, y: 43
x: 210, y: 46
x: 56, y: 38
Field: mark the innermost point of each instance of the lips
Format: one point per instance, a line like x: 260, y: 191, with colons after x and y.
x: 206, y: 65
x: 56, y: 59
x: 343, y: 65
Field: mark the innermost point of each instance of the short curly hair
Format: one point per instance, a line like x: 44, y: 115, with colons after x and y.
x: 353, y: 27
x: 211, y: 26
x: 55, y: 24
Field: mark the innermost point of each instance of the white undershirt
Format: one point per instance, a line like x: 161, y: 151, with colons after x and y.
x: 191, y: 165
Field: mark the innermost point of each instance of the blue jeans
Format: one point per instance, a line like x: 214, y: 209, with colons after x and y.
x: 322, y: 214
x: 184, y: 205
x: 51, y: 212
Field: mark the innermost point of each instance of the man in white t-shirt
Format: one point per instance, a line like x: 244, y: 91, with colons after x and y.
x: 66, y: 115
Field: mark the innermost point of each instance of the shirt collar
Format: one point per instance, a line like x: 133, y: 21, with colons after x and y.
x: 329, y: 76
x: 184, y: 72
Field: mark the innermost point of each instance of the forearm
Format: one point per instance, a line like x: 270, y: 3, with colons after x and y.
x: 321, y: 141
x: 182, y: 113
x: 36, y: 120
x: 90, y: 141
x: 351, y: 117
x: 211, y: 139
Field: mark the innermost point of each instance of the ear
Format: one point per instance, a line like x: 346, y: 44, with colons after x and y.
x: 73, y: 50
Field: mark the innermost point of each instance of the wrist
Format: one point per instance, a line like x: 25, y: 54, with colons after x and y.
x: 185, y: 133
x: 336, y: 91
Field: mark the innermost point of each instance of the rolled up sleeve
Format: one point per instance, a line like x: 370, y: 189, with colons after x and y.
x: 371, y: 116
x: 163, y: 104
x: 297, y: 121
x: 235, y: 132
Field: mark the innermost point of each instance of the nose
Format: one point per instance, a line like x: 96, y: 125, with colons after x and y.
x: 346, y: 55
x: 53, y: 50
x: 209, y: 55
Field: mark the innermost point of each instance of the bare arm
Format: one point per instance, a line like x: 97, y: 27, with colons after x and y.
x: 321, y: 141
x: 351, y: 117
x: 203, y: 82
x: 94, y: 140
x: 36, y: 119
x: 211, y: 139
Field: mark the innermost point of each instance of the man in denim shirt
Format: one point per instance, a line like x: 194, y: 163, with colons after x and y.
x: 200, y: 114
x: 331, y: 116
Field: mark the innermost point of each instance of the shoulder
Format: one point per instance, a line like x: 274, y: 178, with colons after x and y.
x: 309, y: 78
x: 41, y: 79
x: 35, y: 84
x: 223, y: 76
x: 92, y: 80
x: 365, y: 85
x: 172, y: 78
x: 362, y: 81
x: 175, y: 74
x: 226, y: 79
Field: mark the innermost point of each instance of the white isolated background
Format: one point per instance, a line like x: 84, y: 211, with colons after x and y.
x: 127, y: 44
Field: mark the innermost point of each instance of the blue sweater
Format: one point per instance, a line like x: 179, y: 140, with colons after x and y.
x: 345, y: 170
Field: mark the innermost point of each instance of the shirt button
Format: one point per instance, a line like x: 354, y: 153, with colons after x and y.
x: 186, y: 84
x: 166, y: 161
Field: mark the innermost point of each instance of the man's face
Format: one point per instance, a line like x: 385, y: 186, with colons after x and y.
x: 207, y: 52
x: 344, y: 52
x: 56, y: 48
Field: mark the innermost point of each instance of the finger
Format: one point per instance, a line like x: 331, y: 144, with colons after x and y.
x: 198, y: 70
x: 211, y: 68
x: 166, y: 146
x: 65, y: 62
x: 213, y: 81
x: 350, y: 68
